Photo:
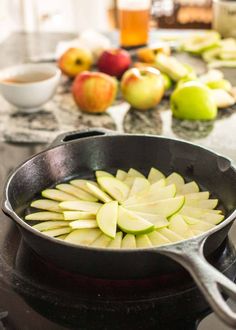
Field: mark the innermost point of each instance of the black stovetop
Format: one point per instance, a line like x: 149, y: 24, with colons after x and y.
x: 36, y: 295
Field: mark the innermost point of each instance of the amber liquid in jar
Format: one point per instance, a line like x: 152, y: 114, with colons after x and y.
x: 133, y: 22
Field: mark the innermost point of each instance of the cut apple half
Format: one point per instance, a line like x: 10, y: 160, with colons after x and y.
x: 107, y: 217
x: 75, y: 191
x: 142, y: 241
x: 155, y: 175
x: 91, y: 207
x: 116, y: 242
x: 46, y: 204
x: 58, y: 195
x: 132, y: 224
x: 83, y: 236
x: 101, y: 195
x: 165, y: 207
x: 114, y: 187
x: 128, y: 242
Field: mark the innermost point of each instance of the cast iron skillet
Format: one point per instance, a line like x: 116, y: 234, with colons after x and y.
x: 79, y: 154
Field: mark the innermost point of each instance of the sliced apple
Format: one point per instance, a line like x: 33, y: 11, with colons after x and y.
x: 132, y: 224
x: 102, y: 241
x: 62, y: 237
x: 188, y: 188
x: 57, y: 232
x: 153, y: 189
x: 159, y: 221
x: 179, y: 226
x: 116, y: 242
x: 82, y: 184
x: 128, y: 242
x: 142, y: 241
x: 101, y: 195
x: 157, y: 238
x: 203, y: 204
x: 135, y: 173
x: 107, y: 217
x: 78, y: 215
x: 91, y: 207
x: 212, y: 218
x: 170, y: 235
x: 139, y: 185
x: 58, y: 195
x: 77, y: 192
x: 44, y: 216
x: 198, y: 196
x: 175, y: 178
x: 121, y: 175
x: 103, y: 173
x: 165, y: 207
x: 155, y: 175
x: 202, y: 225
x: 114, y: 187
x: 46, y: 225
x: 46, y: 204
x: 83, y: 236
x: 80, y: 224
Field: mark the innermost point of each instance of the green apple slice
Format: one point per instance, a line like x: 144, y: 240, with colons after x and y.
x: 149, y: 197
x: 78, y: 215
x: 91, y: 207
x: 44, y: 216
x: 80, y: 224
x: 170, y: 235
x: 203, y: 204
x: 212, y: 218
x: 196, y: 212
x: 159, y: 221
x: 188, y: 188
x: 132, y: 224
x: 46, y: 225
x: 165, y: 207
x: 114, y: 187
x: 46, y: 204
x: 103, y: 173
x: 202, y: 225
x: 142, y: 241
x: 107, y: 218
x: 116, y: 242
x: 57, y: 232
x: 58, y: 195
x: 83, y: 236
x: 190, y: 220
x: 128, y: 242
x: 102, y: 241
x: 139, y: 185
x: 135, y: 173
x: 121, y: 175
x: 82, y: 184
x: 153, y: 189
x: 101, y: 195
x: 155, y: 175
x: 179, y: 226
x: 62, y: 237
x: 77, y: 192
x: 158, y: 239
x: 175, y: 178
x: 203, y: 195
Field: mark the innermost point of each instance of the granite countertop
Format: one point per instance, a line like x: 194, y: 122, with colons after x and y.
x: 61, y: 114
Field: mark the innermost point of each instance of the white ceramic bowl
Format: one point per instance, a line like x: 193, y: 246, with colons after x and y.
x: 31, y: 95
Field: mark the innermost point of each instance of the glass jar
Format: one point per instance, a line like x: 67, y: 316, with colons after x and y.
x: 224, y: 17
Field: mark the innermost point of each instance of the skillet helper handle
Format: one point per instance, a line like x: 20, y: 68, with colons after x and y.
x: 210, y: 281
x: 76, y: 135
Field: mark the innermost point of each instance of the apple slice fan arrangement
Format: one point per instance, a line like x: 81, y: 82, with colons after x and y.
x: 126, y: 210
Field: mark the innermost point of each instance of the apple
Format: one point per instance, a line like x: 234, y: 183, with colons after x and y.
x: 94, y: 91
x: 148, y: 55
x: 220, y: 84
x: 194, y: 101
x: 74, y: 61
x: 114, y: 62
x: 142, y: 88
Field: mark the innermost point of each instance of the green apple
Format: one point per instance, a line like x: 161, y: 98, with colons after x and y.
x: 142, y: 88
x: 46, y: 204
x: 75, y: 191
x: 194, y: 101
x: 167, y: 81
x: 107, y: 217
x: 220, y: 84
x: 83, y: 236
x: 44, y: 216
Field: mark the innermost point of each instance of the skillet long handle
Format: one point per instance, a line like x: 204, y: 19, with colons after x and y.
x: 210, y: 281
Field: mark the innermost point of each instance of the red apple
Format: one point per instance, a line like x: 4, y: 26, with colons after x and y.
x: 94, y: 91
x: 143, y: 88
x: 74, y: 61
x: 114, y: 62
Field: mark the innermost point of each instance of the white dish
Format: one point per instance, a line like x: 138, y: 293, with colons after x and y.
x: 30, y: 95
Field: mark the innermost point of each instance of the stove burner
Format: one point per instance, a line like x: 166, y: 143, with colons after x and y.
x: 167, y: 302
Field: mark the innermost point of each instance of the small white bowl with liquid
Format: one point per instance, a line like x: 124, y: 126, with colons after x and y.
x: 29, y: 86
